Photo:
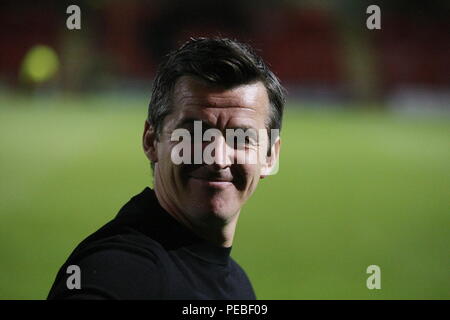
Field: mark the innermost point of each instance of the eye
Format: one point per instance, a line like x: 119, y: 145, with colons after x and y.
x: 241, y: 138
x: 242, y: 142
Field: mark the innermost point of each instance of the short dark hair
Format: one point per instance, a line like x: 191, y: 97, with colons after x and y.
x: 219, y: 62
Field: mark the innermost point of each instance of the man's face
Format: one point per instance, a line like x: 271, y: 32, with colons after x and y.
x: 219, y: 189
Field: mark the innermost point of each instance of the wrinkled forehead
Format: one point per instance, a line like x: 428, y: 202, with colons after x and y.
x: 193, y: 98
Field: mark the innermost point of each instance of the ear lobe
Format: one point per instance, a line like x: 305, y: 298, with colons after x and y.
x: 270, y: 166
x: 149, y: 140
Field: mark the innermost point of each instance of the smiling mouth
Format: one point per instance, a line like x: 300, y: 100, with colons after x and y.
x: 213, y: 181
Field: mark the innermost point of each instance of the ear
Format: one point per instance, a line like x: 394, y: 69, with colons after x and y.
x: 269, y: 167
x: 149, y: 142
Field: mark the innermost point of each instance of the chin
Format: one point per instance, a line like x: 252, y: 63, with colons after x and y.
x: 219, y: 205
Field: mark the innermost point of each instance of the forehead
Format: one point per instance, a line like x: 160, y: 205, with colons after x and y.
x: 193, y: 97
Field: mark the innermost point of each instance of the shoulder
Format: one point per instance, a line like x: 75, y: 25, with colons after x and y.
x: 118, y: 267
x: 242, y: 278
x: 120, y: 260
x: 239, y: 271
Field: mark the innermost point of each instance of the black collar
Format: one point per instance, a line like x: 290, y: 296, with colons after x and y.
x: 144, y: 213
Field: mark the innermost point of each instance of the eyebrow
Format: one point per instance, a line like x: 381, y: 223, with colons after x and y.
x: 190, y: 121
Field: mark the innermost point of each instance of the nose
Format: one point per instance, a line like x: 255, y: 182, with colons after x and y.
x: 223, y: 153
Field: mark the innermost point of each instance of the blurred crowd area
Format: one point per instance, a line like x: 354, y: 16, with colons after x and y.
x: 321, y: 50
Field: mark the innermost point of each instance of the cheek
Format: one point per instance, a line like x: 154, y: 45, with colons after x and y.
x: 249, y: 175
x: 250, y: 162
x: 168, y: 170
x: 254, y: 171
x: 165, y: 155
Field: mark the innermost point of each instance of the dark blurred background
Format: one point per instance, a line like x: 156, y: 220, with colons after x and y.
x: 364, y: 172
x: 321, y: 50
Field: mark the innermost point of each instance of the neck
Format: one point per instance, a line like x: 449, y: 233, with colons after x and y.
x: 210, y: 227
x: 215, y: 230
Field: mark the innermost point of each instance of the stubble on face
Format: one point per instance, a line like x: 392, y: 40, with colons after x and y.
x: 220, y: 189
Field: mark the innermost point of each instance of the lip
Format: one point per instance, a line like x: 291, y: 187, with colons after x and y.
x: 213, y: 183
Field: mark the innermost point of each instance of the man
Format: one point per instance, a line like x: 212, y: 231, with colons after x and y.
x: 174, y: 242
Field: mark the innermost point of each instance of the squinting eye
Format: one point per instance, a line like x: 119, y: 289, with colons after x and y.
x: 251, y: 141
x: 248, y: 141
x: 243, y: 143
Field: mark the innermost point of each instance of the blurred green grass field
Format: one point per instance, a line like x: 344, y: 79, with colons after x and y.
x: 355, y: 188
